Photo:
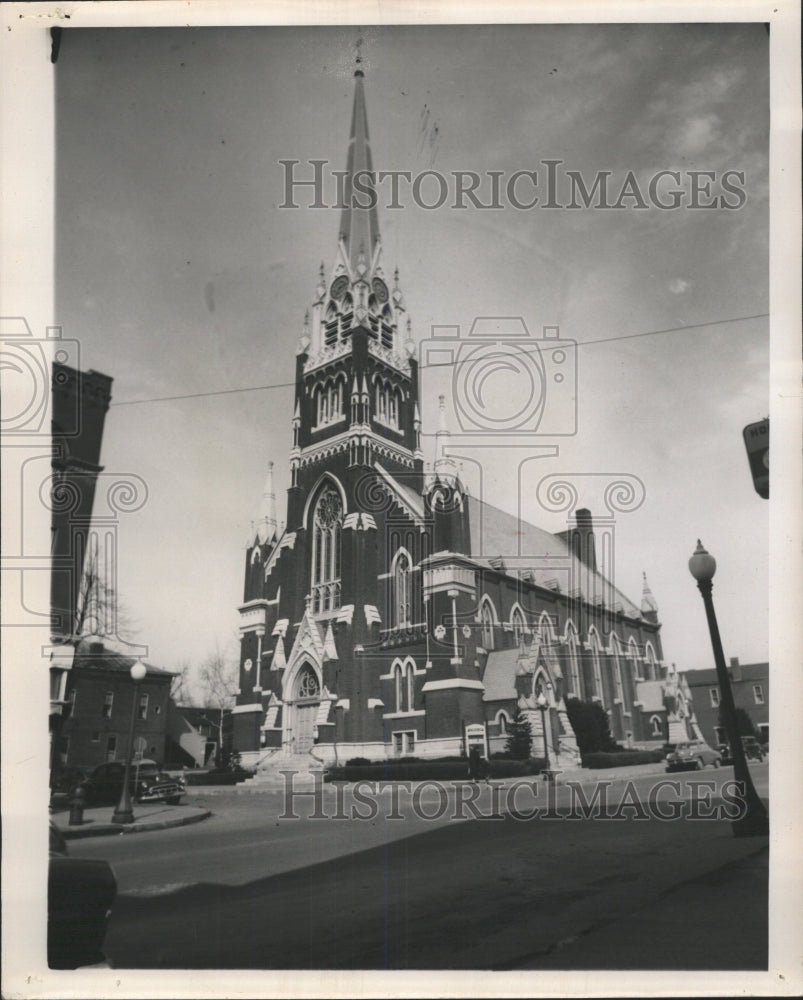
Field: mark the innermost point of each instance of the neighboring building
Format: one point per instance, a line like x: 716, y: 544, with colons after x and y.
x: 375, y: 623
x: 79, y: 404
x: 99, y: 699
x: 750, y: 683
x: 196, y: 736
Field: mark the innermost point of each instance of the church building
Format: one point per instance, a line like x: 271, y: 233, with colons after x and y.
x: 371, y: 625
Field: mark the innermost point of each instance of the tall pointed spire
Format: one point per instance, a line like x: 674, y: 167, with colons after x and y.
x: 266, y: 526
x: 648, y: 603
x: 359, y: 226
x: 445, y: 466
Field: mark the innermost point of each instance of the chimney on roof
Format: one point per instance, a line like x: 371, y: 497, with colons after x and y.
x: 734, y: 661
x: 583, y: 543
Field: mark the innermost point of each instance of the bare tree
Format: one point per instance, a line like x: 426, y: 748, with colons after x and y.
x: 99, y: 610
x: 181, y: 685
x: 217, y: 678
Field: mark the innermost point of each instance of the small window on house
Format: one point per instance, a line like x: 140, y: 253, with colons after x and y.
x: 502, y: 721
x: 108, y: 702
x: 157, y: 709
x: 71, y: 701
x: 657, y: 727
x: 95, y: 738
x: 142, y: 708
x: 111, y: 746
x: 403, y: 743
x: 714, y: 693
x: 758, y: 694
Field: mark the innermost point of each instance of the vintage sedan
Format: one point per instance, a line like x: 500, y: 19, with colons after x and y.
x: 692, y: 756
x: 146, y: 783
x: 752, y: 750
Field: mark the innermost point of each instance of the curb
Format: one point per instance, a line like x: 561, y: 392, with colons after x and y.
x: 108, y: 829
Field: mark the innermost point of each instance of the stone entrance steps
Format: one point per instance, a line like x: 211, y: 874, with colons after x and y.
x: 306, y: 770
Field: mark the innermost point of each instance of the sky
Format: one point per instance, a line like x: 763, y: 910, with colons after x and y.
x: 180, y: 275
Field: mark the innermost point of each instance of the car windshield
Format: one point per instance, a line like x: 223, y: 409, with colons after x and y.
x: 148, y: 768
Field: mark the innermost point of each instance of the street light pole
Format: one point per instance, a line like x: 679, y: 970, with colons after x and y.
x: 541, y: 701
x: 124, y: 812
x: 754, y: 822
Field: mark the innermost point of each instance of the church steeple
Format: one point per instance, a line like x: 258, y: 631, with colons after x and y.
x: 359, y: 226
x: 649, y: 606
x: 357, y: 293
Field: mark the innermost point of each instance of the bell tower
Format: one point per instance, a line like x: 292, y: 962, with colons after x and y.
x: 356, y: 392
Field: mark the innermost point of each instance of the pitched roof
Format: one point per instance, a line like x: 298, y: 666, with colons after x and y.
x: 739, y: 672
x: 496, y: 533
x: 95, y: 655
x: 406, y: 497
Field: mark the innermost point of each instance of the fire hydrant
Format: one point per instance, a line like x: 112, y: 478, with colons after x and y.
x: 77, y: 804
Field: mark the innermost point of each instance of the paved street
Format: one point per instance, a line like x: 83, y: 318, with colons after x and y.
x: 248, y: 889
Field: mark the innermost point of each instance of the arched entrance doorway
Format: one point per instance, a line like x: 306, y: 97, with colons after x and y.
x: 305, y: 704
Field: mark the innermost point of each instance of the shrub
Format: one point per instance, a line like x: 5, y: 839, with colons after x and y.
x: 220, y: 776
x: 442, y: 769
x: 519, y: 739
x: 622, y: 758
x: 591, y: 727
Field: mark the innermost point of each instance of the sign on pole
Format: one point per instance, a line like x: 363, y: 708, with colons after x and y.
x: 757, y: 441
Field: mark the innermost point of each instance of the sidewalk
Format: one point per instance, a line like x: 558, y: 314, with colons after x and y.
x: 152, y: 816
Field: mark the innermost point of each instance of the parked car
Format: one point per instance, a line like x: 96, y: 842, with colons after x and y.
x: 752, y: 750
x: 146, y: 783
x: 80, y: 896
x: 64, y: 779
x: 693, y: 755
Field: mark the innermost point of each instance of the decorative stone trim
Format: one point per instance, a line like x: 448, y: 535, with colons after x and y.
x: 280, y: 628
x: 241, y: 709
x: 376, y: 703
x: 372, y: 615
x: 453, y: 682
x: 345, y: 614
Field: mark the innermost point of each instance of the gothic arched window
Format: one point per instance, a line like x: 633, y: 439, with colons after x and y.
x: 487, y: 625
x: 308, y: 686
x: 402, y: 605
x: 403, y: 676
x: 518, y: 623
x: 593, y: 641
x: 617, y: 669
x: 574, y: 663
x: 326, y: 524
x: 652, y: 669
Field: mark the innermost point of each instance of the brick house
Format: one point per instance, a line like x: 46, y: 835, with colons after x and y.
x: 79, y: 402
x: 99, y: 698
x: 750, y: 683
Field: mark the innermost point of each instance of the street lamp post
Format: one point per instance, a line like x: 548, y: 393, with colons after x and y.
x: 123, y: 812
x: 541, y: 701
x: 755, y: 821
